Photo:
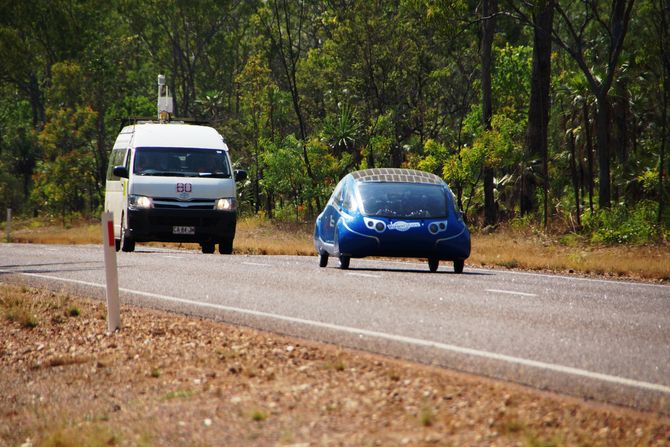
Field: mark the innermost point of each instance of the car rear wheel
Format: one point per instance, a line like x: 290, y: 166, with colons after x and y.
x: 433, y: 264
x: 127, y: 243
x: 323, y: 260
x: 344, y: 262
x: 458, y: 265
x: 207, y: 247
x: 226, y: 247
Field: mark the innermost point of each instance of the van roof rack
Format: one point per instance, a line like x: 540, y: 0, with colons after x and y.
x: 130, y: 120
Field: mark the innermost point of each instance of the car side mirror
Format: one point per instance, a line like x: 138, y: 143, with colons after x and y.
x: 120, y: 171
x: 240, y: 175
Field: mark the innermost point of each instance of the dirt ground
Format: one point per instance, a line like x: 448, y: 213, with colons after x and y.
x: 167, y: 380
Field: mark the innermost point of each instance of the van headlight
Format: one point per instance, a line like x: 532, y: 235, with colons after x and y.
x: 140, y: 202
x: 225, y: 204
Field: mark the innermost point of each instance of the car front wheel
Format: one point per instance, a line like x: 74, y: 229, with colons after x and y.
x: 323, y: 260
x: 433, y: 264
x: 344, y: 262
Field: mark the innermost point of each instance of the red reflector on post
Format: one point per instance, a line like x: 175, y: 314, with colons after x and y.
x: 110, y: 233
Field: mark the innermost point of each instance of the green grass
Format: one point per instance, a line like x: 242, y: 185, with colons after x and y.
x: 178, y: 394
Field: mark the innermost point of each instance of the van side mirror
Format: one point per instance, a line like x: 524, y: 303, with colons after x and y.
x: 120, y: 171
x: 240, y: 175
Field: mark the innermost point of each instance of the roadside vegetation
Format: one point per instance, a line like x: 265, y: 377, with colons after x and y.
x: 168, y: 379
x: 559, y: 128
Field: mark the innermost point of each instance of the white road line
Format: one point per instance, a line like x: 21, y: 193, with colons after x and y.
x: 365, y: 275
x: 391, y: 337
x: 173, y: 257
x: 511, y: 292
x: 256, y: 264
x: 543, y: 275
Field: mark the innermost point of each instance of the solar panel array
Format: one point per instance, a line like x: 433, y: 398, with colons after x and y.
x: 396, y: 175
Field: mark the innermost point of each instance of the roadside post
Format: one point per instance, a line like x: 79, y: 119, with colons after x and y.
x: 111, y: 273
x: 8, y: 227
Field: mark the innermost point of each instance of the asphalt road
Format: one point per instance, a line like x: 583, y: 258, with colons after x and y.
x: 597, y: 339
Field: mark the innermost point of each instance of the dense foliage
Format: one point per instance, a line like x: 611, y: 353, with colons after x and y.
x: 305, y: 91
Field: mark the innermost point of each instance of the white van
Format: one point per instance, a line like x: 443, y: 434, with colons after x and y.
x: 172, y: 182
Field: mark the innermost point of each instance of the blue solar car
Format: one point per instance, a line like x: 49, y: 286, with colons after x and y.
x: 392, y: 212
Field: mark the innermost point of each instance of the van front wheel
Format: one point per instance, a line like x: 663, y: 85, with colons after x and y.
x: 127, y: 244
x: 226, y: 247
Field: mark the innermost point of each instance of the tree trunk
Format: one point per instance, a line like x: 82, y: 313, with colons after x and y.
x: 602, y: 136
x: 665, y: 74
x: 538, y: 110
x: 489, y: 8
x: 588, y: 148
x: 573, y: 176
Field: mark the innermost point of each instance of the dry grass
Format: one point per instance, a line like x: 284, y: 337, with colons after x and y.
x: 509, y: 248
x: 525, y: 251
x: 167, y: 379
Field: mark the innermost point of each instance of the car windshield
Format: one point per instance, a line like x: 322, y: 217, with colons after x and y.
x: 403, y: 200
x: 181, y: 162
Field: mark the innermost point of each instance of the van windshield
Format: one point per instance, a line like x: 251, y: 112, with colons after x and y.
x: 181, y: 162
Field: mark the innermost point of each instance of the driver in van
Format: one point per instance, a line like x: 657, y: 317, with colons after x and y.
x: 142, y: 163
x: 200, y: 163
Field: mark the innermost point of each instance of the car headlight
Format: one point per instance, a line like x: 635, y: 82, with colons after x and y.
x: 438, y: 227
x: 375, y: 224
x: 140, y: 202
x: 225, y: 204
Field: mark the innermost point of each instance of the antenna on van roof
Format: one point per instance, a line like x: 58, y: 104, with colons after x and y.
x: 165, y: 104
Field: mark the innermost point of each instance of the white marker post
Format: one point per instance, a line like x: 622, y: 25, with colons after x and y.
x: 111, y: 273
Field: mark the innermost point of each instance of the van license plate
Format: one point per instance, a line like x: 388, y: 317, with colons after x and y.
x: 183, y: 230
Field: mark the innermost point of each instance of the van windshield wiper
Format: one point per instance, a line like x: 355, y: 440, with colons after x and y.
x: 216, y: 174
x: 163, y: 173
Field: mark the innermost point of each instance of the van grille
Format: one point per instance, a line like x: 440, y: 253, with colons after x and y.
x: 192, y: 204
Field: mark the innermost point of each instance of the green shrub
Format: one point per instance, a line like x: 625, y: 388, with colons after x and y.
x: 624, y: 225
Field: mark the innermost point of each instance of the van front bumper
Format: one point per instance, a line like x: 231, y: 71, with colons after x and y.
x: 209, y: 226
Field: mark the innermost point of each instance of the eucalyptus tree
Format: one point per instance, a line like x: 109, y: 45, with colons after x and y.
x: 593, y: 35
x: 178, y: 35
x: 488, y: 27
x: 535, y: 147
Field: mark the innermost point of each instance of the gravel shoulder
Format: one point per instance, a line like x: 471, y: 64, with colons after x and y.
x: 168, y: 379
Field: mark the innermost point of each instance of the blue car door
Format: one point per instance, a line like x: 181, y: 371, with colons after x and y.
x: 331, y: 215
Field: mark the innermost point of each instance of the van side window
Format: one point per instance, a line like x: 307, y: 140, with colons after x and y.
x: 115, y: 159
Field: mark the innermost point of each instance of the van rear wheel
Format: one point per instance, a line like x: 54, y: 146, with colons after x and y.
x: 207, y: 247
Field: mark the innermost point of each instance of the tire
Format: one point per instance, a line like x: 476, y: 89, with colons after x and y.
x: 207, y: 247
x: 458, y: 265
x: 344, y: 262
x: 117, y: 244
x: 126, y: 242
x: 323, y: 260
x: 433, y: 264
x: 226, y: 247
